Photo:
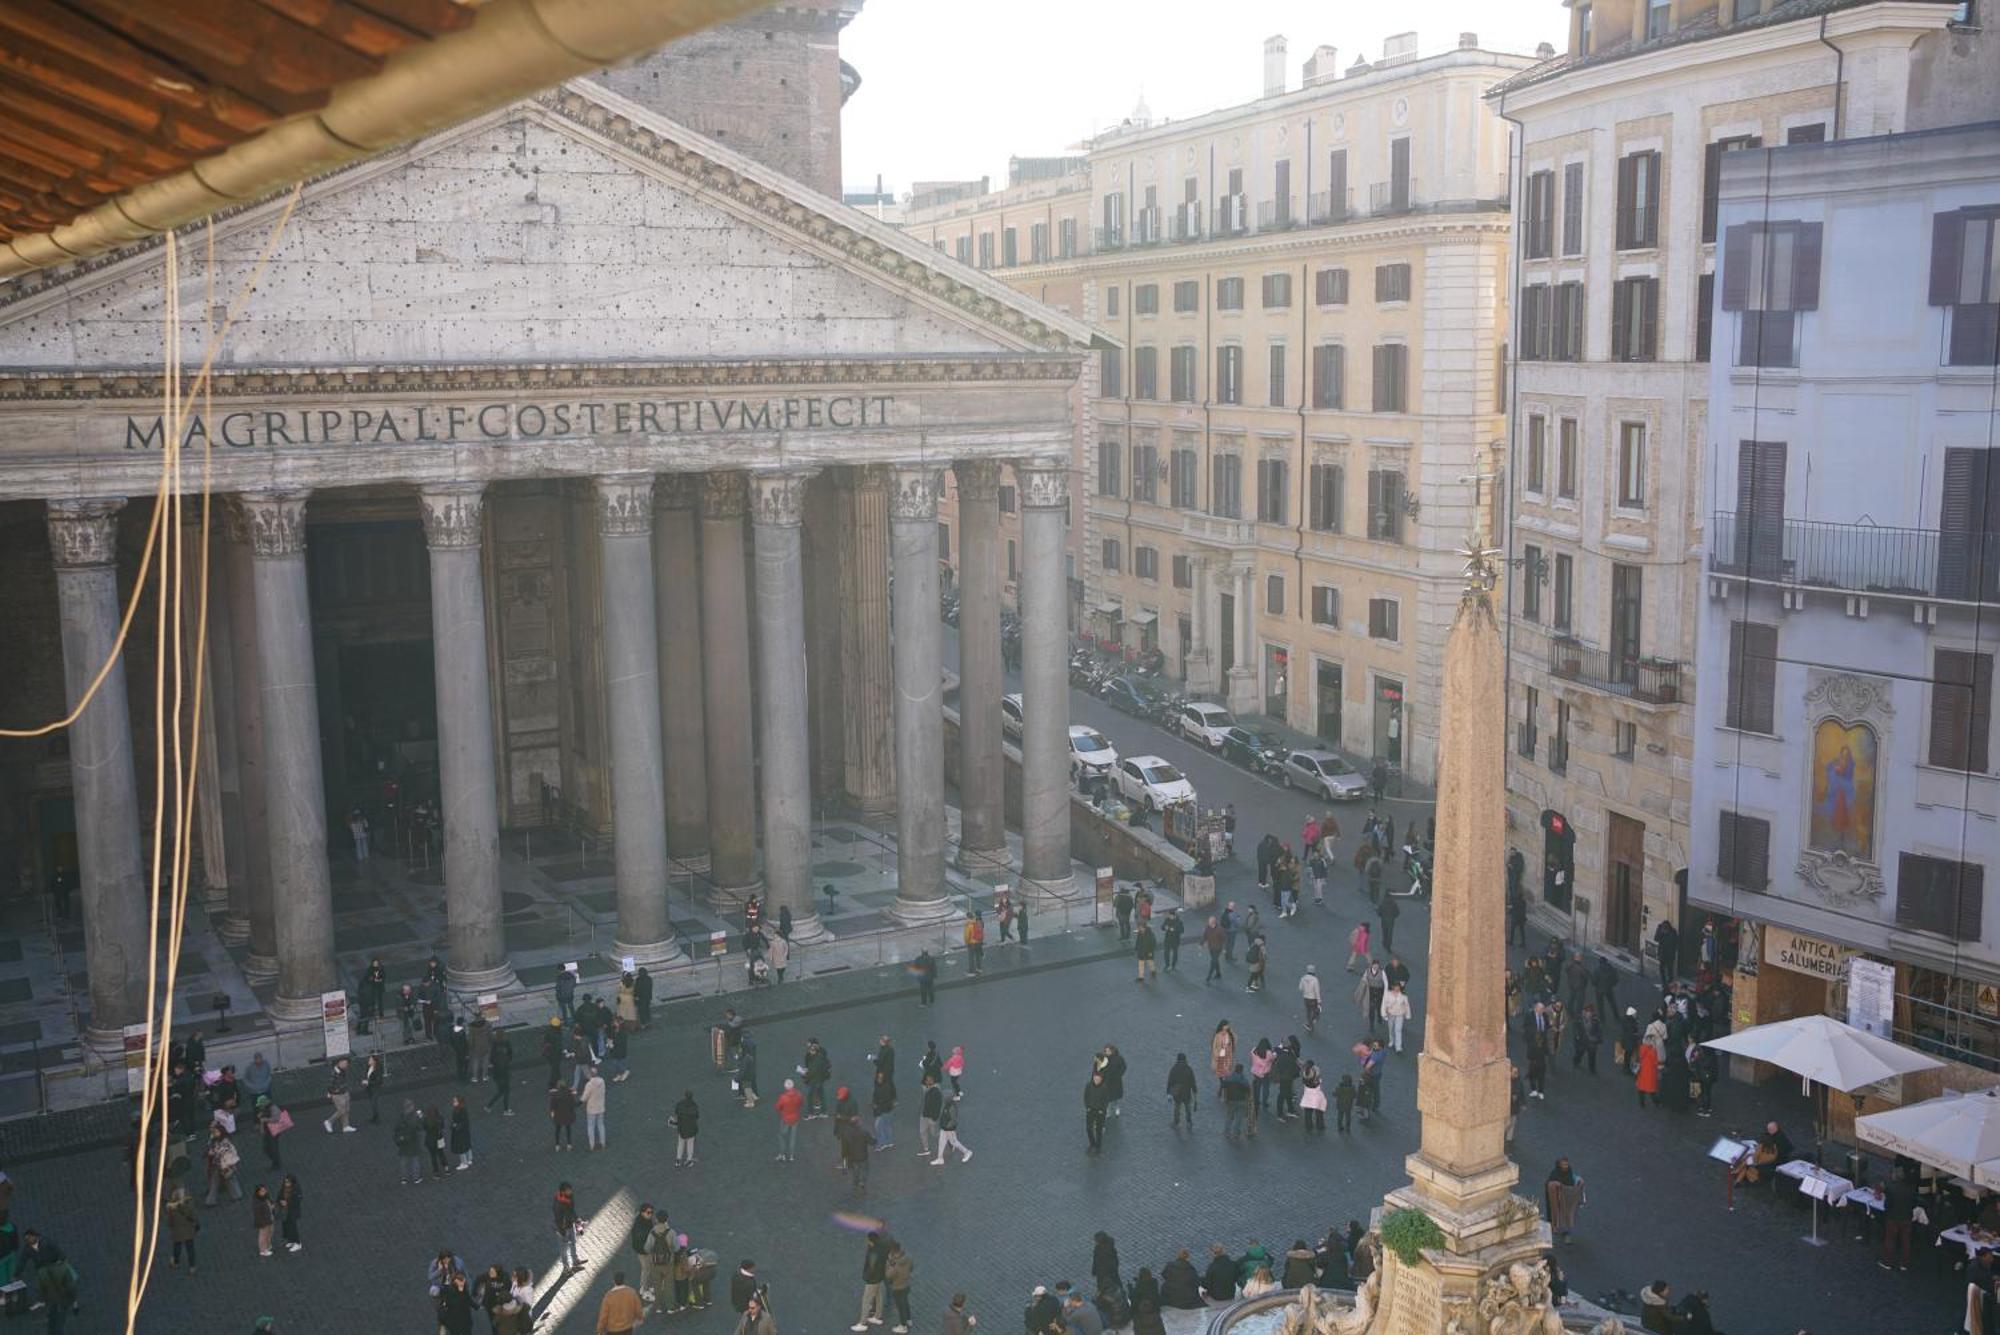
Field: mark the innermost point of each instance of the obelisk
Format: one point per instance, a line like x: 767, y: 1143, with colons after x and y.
x: 1488, y: 1261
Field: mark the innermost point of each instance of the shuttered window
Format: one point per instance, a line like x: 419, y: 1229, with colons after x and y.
x: 1760, y: 507
x: 1229, y: 374
x: 1180, y: 374
x: 1969, y: 527
x: 1111, y: 374
x: 1965, y: 276
x: 1531, y: 586
x: 1390, y: 388
x: 1566, y: 324
x: 1146, y: 373
x: 1385, y: 504
x: 1770, y: 272
x: 1329, y: 376
x: 1537, y: 301
x: 1225, y: 486
x: 1572, y: 202
x: 1327, y: 496
x: 1326, y: 606
x: 1743, y: 851
x: 1635, y: 320
x: 1274, y: 595
x: 1938, y: 895
x: 1392, y: 282
x: 1384, y: 618
x: 1638, y: 222
x: 1183, y: 570
x: 1711, y: 178
x: 1753, y: 677
x: 1274, y: 379
x: 1330, y: 287
x: 1277, y: 291
x: 1146, y: 299
x: 1961, y: 710
x: 1187, y: 296
x: 1538, y: 215
x: 1538, y: 453
x: 1704, y: 316
x: 1229, y: 294
x: 1273, y: 502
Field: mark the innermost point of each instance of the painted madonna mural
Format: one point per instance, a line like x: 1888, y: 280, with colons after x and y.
x: 1843, y: 798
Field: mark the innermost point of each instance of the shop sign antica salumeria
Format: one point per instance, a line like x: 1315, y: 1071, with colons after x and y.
x: 494, y: 423
x: 1804, y: 954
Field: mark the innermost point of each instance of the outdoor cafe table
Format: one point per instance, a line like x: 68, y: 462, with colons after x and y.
x: 1817, y: 1182
x: 1962, y: 1235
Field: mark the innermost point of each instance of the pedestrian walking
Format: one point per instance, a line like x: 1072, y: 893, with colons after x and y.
x: 1235, y: 1101
x: 434, y: 1140
x: 948, y: 1132
x: 1357, y: 945
x: 1181, y: 1090
x: 373, y: 1076
x: 930, y: 1108
x: 1216, y: 940
x: 854, y: 1147
x: 337, y: 1093
x: 1387, y: 912
x: 954, y: 1067
x: 686, y: 1122
x: 882, y: 1103
x: 1378, y: 778
x: 1222, y: 1050
x: 1586, y: 1036
x: 565, y: 994
x: 1309, y: 993
x: 263, y: 1218
x: 1396, y: 1010
x: 1096, y: 1110
x: 896, y: 1273
x: 1258, y: 957
x: 1343, y: 1102
x: 1647, y: 1082
x: 746, y: 1069
x: 621, y: 1308
x: 1312, y: 1099
x: 291, y: 1209
x: 1171, y: 929
x: 569, y: 1226
x: 502, y: 1068
x: 790, y: 1107
x: 220, y: 1162
x: 1538, y: 1070
x: 1368, y: 994
x: 975, y: 942
x: 408, y: 1137
x: 874, y: 1272
x: 1667, y: 945
x: 562, y: 1114
x: 182, y: 1226
x: 461, y: 1132
x: 1142, y: 950
x: 1562, y: 1197
x: 1232, y: 923
x: 1021, y: 920
x: 924, y: 966
x: 1121, y: 909
x: 815, y: 1068
x: 272, y: 1121
x: 1104, y: 1267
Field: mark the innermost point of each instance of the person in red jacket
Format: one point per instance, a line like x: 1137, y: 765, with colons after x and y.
x: 791, y: 1108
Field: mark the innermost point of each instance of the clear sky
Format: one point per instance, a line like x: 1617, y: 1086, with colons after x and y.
x: 951, y: 89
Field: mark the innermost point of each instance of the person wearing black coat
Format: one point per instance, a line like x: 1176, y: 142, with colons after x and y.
x: 743, y: 1286
x: 1044, y: 1311
x: 1332, y: 1258
x: 1301, y: 1266
x: 1219, y: 1283
x: 454, y: 1307
x: 1104, y: 1262
x: 1180, y: 1285
x: 1180, y: 1089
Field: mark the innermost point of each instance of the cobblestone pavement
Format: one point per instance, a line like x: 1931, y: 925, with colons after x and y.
x: 1023, y: 1211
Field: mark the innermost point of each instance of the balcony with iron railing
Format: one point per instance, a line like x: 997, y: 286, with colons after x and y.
x: 1232, y: 216
x: 1218, y: 530
x: 1325, y: 209
x: 1653, y: 680
x: 1146, y: 228
x: 1857, y: 558
x: 1107, y: 238
x: 1276, y: 214
x: 1185, y: 225
x: 1395, y: 196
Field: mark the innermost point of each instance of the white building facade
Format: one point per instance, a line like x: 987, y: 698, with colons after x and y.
x: 1844, y: 793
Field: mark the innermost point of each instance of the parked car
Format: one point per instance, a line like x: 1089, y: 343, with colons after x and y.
x: 1010, y: 716
x: 1326, y: 775
x: 1150, y: 782
x: 1089, y: 753
x: 1205, y: 723
x: 1256, y: 749
x: 1132, y: 695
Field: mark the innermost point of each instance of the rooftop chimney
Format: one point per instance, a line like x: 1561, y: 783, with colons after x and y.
x: 1323, y: 66
x: 1401, y: 47
x: 1274, y: 66
x: 1468, y: 41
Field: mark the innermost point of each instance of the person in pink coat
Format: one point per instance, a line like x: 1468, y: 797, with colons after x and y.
x: 954, y: 1066
x: 1357, y: 945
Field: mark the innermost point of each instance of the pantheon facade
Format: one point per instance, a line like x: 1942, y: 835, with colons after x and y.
x: 627, y: 449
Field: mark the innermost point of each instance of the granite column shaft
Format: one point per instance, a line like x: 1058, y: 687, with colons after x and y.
x: 777, y: 512
x: 677, y: 591
x: 919, y: 697
x: 982, y: 764
x: 1045, y: 840
x: 253, y: 875
x: 726, y: 688
x: 868, y: 745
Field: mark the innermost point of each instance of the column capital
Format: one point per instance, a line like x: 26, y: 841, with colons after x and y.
x: 1044, y: 483
x: 723, y: 495
x: 83, y: 534
x: 452, y: 514
x: 913, y: 492
x: 675, y: 491
x: 779, y: 499
x: 625, y: 505
x: 978, y: 479
x: 276, y: 521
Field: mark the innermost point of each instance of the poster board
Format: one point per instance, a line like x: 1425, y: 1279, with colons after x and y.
x: 1871, y: 996
x: 333, y: 1020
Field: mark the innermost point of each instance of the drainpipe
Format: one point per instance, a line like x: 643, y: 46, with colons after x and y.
x: 1839, y: 74
x: 1517, y: 174
x: 516, y: 49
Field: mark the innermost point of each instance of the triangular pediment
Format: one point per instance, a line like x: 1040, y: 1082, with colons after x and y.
x: 575, y: 227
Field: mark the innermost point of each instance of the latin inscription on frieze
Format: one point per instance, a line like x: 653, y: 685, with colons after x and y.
x: 499, y: 423
x: 1415, y: 1305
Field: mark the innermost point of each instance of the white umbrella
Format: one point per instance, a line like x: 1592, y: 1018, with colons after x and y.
x: 1825, y: 1051
x: 1957, y: 1133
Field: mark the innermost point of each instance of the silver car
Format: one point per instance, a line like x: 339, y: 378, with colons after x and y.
x: 1326, y: 775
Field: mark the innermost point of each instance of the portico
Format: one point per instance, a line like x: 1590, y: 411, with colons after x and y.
x: 612, y: 535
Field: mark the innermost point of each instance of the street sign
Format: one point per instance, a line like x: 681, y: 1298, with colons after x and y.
x: 718, y: 943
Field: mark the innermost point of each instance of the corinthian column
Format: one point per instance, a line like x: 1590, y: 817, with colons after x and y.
x: 677, y: 589
x: 84, y: 538
x: 632, y: 695
x: 475, y: 945
x: 725, y: 682
x: 1045, y: 860
x: 920, y: 888
x: 868, y: 744
x: 259, y: 914
x: 981, y: 764
x: 295, y: 793
x: 776, y: 512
